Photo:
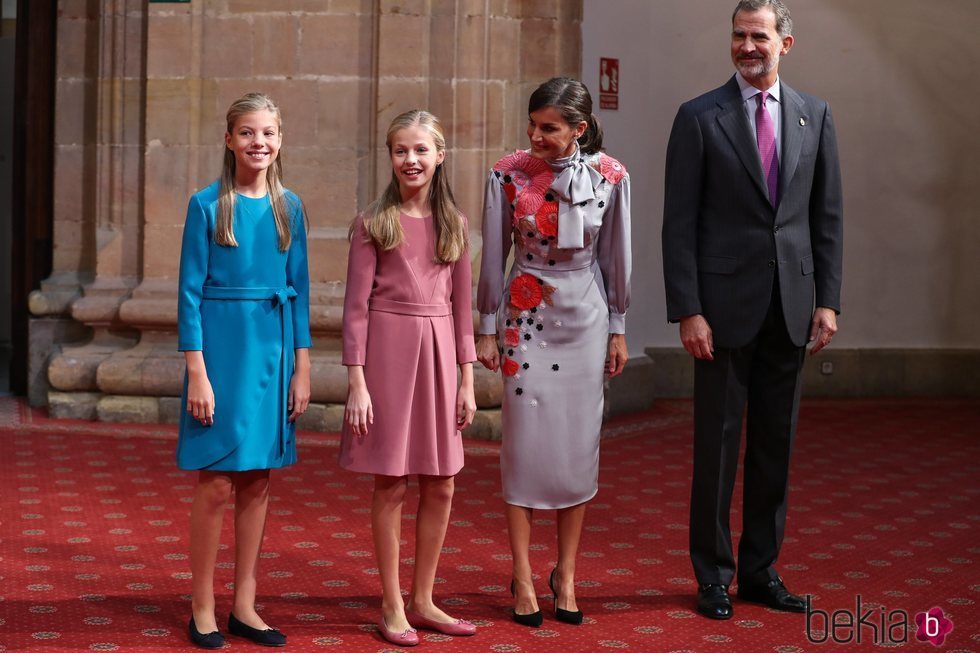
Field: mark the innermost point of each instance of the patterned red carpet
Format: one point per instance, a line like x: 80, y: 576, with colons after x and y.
x: 885, y: 509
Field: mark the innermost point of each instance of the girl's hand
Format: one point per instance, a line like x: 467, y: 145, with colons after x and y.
x: 299, y: 385
x: 618, y: 355
x: 358, y: 412
x: 465, y: 397
x: 486, y: 351
x: 200, y: 397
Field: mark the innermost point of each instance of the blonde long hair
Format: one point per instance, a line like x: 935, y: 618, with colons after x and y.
x: 224, y: 232
x: 381, y: 218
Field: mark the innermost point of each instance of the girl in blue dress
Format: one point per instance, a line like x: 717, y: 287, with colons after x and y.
x: 243, y: 325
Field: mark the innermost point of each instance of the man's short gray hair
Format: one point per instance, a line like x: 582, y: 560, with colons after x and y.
x: 784, y: 22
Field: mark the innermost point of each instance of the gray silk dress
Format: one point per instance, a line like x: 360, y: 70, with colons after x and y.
x: 568, y: 289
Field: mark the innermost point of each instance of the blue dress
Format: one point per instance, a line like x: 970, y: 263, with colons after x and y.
x: 247, y: 309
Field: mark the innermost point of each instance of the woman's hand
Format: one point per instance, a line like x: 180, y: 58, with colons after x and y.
x: 200, y: 395
x: 486, y: 351
x: 465, y: 397
x: 299, y: 385
x: 618, y: 355
x: 358, y: 412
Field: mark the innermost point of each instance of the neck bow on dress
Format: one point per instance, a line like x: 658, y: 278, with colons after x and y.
x: 575, y: 184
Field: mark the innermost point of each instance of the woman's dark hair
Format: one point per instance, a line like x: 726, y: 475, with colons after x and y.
x: 572, y: 100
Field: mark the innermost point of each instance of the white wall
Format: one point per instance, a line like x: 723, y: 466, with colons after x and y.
x: 900, y: 77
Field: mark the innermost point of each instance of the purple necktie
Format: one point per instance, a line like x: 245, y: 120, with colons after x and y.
x: 765, y: 134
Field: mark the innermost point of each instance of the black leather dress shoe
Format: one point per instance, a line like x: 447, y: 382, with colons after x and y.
x: 714, y: 602
x: 774, y: 594
x: 268, y: 637
x: 213, y: 639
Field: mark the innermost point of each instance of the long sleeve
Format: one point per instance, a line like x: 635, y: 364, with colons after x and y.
x: 298, y: 276
x: 496, y: 248
x: 194, y: 253
x: 615, y: 254
x: 361, y: 263
x: 679, y: 236
x: 827, y: 220
x: 462, y: 299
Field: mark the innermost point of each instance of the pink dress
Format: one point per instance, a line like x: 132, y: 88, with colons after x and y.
x: 408, y: 320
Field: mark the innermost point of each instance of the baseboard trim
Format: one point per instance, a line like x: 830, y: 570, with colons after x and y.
x: 853, y: 373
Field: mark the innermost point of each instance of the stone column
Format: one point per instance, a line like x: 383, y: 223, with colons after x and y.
x: 99, y: 181
x: 51, y: 325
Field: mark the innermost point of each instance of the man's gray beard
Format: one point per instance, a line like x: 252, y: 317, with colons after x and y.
x: 752, y: 68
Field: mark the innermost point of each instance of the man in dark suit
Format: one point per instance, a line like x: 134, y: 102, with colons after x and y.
x: 752, y: 262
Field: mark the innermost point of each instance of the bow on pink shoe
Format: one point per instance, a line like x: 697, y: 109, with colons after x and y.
x: 405, y: 638
x: 456, y: 627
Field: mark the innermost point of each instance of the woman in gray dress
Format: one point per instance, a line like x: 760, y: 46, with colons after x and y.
x: 555, y: 324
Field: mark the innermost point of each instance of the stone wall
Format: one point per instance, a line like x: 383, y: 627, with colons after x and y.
x: 141, y: 92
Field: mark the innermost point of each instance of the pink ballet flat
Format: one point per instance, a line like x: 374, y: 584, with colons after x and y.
x: 457, y: 627
x: 406, y: 638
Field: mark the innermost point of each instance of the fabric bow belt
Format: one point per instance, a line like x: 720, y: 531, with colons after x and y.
x: 281, y: 297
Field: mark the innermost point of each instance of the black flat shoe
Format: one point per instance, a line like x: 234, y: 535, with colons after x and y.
x: 714, y: 602
x: 773, y: 594
x: 565, y: 616
x: 532, y: 619
x: 210, y: 640
x: 268, y: 637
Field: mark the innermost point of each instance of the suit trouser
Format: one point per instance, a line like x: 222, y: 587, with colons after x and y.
x: 765, y: 375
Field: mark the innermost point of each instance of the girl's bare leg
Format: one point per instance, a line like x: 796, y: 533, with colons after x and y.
x: 435, y: 504
x: 386, y: 524
x: 210, y: 497
x: 251, y: 506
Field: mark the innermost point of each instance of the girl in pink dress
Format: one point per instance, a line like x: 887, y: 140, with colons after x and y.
x: 408, y: 323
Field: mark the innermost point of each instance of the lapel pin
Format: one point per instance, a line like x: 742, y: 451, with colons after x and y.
x: 802, y: 122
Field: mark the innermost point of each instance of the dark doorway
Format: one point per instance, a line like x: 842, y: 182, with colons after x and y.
x: 8, y: 30
x: 26, y: 208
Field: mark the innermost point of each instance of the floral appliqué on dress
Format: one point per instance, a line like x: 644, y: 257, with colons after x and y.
x: 526, y: 180
x: 527, y: 183
x: 528, y: 295
x: 612, y: 170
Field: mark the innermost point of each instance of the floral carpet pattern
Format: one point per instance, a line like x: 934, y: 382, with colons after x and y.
x: 883, y: 529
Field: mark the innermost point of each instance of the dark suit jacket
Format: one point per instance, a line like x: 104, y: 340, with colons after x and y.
x: 723, y: 242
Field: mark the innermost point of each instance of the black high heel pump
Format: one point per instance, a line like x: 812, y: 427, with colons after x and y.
x: 533, y: 619
x: 565, y: 616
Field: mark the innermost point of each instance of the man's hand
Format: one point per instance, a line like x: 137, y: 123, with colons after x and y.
x: 822, y: 329
x: 696, y: 337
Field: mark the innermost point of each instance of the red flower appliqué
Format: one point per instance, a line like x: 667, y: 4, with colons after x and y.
x: 512, y: 337
x: 611, y: 169
x: 510, y: 190
x: 509, y: 366
x: 547, y: 219
x: 525, y: 291
x: 536, y: 175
